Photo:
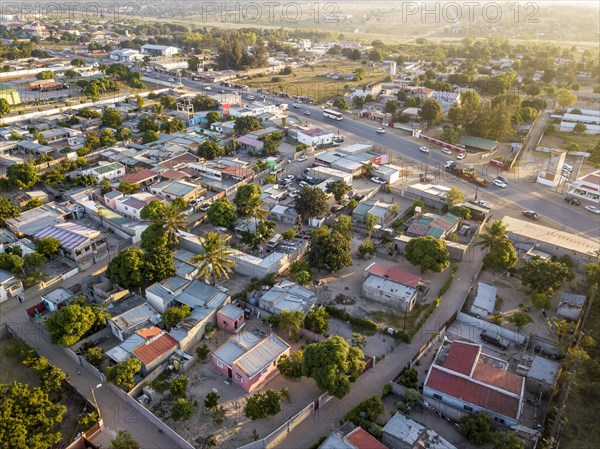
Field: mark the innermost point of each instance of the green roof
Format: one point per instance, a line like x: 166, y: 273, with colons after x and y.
x: 478, y: 143
x: 102, y: 169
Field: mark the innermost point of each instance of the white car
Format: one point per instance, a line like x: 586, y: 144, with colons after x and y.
x: 593, y: 209
x: 424, y: 149
x: 303, y: 184
x: 381, y: 130
x: 250, y: 97
x: 500, y: 184
x: 171, y: 80
x: 449, y: 164
x: 208, y: 88
x: 446, y: 151
x: 302, y: 158
x: 296, y: 105
x: 377, y: 180
x: 307, y: 112
x: 289, y: 177
x: 294, y: 195
x: 461, y: 156
x: 484, y: 204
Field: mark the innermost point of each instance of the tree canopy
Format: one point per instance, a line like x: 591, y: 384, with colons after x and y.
x: 7, y: 210
x: 22, y: 175
x: 124, y: 440
x: 215, y: 262
x: 333, y: 364
x: 311, y: 202
x: 260, y: 405
x: 431, y: 112
x: 210, y: 149
x: 70, y: 323
x: 245, y: 124
x: 126, y: 269
x: 222, y: 213
x: 174, y: 315
x: 544, y: 276
x: 428, y: 253
x: 329, y: 249
x: 123, y: 373
x: 338, y: 189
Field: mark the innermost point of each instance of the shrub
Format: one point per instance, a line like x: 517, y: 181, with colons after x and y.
x: 409, y: 377
x: 202, y: 352
x: 448, y: 282
x: 387, y: 389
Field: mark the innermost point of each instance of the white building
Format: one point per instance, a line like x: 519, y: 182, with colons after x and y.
x: 484, y: 302
x: 314, y: 136
x: 106, y: 171
x: 10, y: 286
x: 586, y: 188
x: 588, y: 117
x: 159, y: 50
x: 56, y: 298
x: 125, y: 55
x: 390, y: 285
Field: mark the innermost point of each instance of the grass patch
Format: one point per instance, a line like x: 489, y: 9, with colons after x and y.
x: 585, y: 141
x: 396, y: 320
x: 12, y: 368
x: 310, y: 80
x: 361, y: 325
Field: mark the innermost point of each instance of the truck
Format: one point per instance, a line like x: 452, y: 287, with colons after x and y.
x: 467, y: 173
x: 47, y: 85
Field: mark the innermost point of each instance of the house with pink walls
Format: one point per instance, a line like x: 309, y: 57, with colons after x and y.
x: 250, y: 358
x: 230, y: 318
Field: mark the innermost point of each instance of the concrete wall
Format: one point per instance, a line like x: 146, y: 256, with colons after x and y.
x: 486, y: 325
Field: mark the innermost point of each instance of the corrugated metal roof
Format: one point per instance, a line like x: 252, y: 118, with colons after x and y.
x: 229, y: 352
x: 70, y: 235
x: 230, y: 311
x: 394, y: 274
x: 486, y: 297
x: 134, y: 317
x: 262, y: 355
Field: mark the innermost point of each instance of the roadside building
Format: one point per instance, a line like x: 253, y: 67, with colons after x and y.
x: 401, y: 432
x: 390, y: 285
x: 485, y: 301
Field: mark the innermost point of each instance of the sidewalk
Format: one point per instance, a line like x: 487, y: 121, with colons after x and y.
x: 371, y: 383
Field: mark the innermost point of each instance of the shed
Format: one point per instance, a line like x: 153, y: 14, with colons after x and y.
x: 570, y: 306
x: 484, y: 302
x: 542, y: 374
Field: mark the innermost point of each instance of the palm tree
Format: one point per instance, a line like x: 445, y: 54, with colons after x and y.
x: 171, y: 218
x: 495, y: 232
x: 216, y: 261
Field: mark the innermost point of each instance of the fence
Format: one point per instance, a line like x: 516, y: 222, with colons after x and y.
x: 441, y: 143
x: 500, y: 164
x: 281, y: 432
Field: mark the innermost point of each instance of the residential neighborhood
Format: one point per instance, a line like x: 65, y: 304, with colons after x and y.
x: 322, y: 234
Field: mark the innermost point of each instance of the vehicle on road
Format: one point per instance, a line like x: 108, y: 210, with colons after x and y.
x: 593, y: 209
x: 289, y: 177
x: 573, y: 201
x: 306, y: 171
x: 424, y: 149
x: 208, y: 88
x: 466, y: 173
x: 483, y: 203
x: 338, y: 139
x: 446, y: 151
x: 461, y: 156
x: 381, y: 130
x: 250, y: 97
x: 171, y: 80
x: 503, y: 179
x: 500, y: 184
x: 531, y: 214
x: 294, y: 195
x: 449, y: 164
x: 494, y: 339
x: 296, y: 105
x: 328, y: 113
x: 307, y: 112
x: 303, y: 184
x: 302, y: 158
x: 377, y: 180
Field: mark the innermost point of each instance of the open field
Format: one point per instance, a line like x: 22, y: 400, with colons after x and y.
x: 310, y: 80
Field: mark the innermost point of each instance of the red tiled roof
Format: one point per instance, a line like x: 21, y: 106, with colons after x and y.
x: 361, y: 439
x: 139, y: 176
x: 149, y: 332
x: 180, y: 159
x: 173, y: 174
x: 472, y: 392
x: 152, y: 350
x: 190, y: 172
x: 498, y: 377
x: 395, y: 274
x: 461, y: 357
x: 240, y: 172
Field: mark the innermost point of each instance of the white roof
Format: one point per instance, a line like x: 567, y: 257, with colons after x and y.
x: 486, y: 297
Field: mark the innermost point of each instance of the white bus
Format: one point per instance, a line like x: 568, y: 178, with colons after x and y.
x: 332, y: 114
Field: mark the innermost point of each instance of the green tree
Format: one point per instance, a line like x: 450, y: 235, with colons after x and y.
x: 246, y: 195
x: 107, y: 138
x: 343, y: 225
x: 4, y: 107
x: 95, y: 356
x: 29, y: 418
x: 168, y: 102
x: 210, y: 149
x: 78, y: 62
x: 202, y: 351
x: 579, y: 128
x: 341, y: 104
x: 565, y: 98
x: 123, y: 373
x: 7, y: 210
x: 271, y: 143
x: 370, y: 223
x: 213, y: 117
x: 170, y: 219
x: 300, y: 270
x: 338, y: 189
x: 47, y: 246
x: 204, y: 103
x: 461, y: 211
x: 453, y: 197
x: 149, y: 136
x: 261, y: 405
x: 520, y: 320
x: 507, y: 440
x: 428, y: 253
x: 139, y: 102
x: 431, y: 111
x: 172, y: 125
x: 45, y: 75
x: 111, y: 118
x: 246, y: 124
x: 70, y: 323
x: 52, y: 381
x: 329, y: 250
x: 317, y: 320
x: 366, y: 247
x: 174, y: 315
x: 501, y: 256
x: 222, y: 213
x: 126, y: 269
x: 123, y: 134
x: 544, y: 276
x: 159, y: 263
x: 105, y: 186
x: 218, y: 414
x: 333, y: 364
x: 124, y: 440
x: 477, y: 428
x: 290, y: 321
x: 178, y: 386
x: 358, y: 340
x: 147, y: 123
x: 22, y: 175
x: 211, y: 400
x: 12, y: 263
x: 311, y: 202
x: 34, y: 260
x: 216, y: 260
x: 291, y: 366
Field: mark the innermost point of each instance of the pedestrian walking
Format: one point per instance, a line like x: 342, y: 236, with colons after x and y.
x: 544, y: 313
x: 78, y: 371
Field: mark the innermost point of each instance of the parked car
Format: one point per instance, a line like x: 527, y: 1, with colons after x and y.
x: 208, y: 88
x: 336, y: 208
x: 593, y: 209
x: 306, y: 171
x: 449, y: 164
x: 503, y: 179
x: 303, y: 184
x: 446, y: 151
x: 289, y: 178
x: 338, y: 139
x: 250, y: 97
x: 573, y: 201
x: 171, y: 80
x: 377, y: 180
x: 381, y: 130
x: 296, y: 105
x: 484, y: 204
x: 294, y: 195
x: 500, y: 184
x: 424, y: 149
x: 302, y: 158
x: 531, y: 214
x: 307, y: 112
x: 494, y: 339
x: 351, y: 193
x: 204, y: 207
x: 461, y: 156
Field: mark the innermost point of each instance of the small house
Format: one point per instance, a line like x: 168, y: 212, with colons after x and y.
x: 485, y: 301
x: 57, y: 298
x: 391, y: 285
x: 230, y: 318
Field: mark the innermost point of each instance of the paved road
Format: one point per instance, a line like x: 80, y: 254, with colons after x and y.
x: 117, y: 414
